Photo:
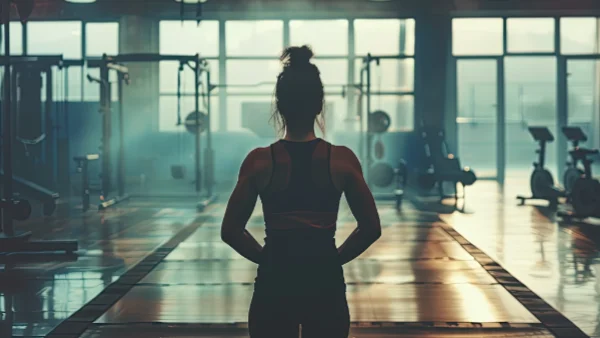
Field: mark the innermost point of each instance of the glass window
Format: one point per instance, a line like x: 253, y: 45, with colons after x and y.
x: 189, y: 38
x: 102, y: 38
x: 254, y: 38
x: 407, y: 30
x: 582, y: 86
x: 397, y: 75
x: 336, y: 112
x: 252, y: 72
x: 16, y: 39
x: 333, y: 72
x: 326, y: 37
x: 92, y: 89
x: 477, y: 36
x: 168, y: 76
x: 579, y: 36
x: 400, y: 109
x: 62, y: 83
x: 168, y: 112
x: 234, y: 110
x: 48, y: 38
x: 477, y: 91
x: 477, y: 94
x: 530, y: 101
x: 530, y: 35
x: 386, y: 31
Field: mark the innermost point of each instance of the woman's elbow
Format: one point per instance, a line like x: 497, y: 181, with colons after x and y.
x: 376, y: 234
x: 227, y: 236
x: 372, y: 234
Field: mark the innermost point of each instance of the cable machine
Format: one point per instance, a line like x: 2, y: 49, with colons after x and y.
x: 195, y: 122
x: 10, y: 207
x: 40, y: 147
x: 371, y: 149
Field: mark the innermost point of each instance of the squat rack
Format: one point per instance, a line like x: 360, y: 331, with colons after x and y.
x: 201, y: 68
x: 10, y: 240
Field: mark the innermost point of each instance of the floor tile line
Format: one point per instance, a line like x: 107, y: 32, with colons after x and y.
x: 550, y: 318
x: 74, y: 326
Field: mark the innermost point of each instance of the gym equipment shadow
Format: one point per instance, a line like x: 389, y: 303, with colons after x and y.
x: 431, y: 202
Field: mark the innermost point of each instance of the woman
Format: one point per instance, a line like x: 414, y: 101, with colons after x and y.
x: 300, y: 180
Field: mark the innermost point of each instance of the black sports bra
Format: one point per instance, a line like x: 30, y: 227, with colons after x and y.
x: 301, y: 193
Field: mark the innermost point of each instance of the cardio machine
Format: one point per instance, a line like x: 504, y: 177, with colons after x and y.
x: 575, y: 135
x: 542, y: 182
x: 585, y: 192
x: 442, y: 165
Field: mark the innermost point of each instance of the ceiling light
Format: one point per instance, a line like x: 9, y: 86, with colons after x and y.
x: 81, y: 1
x: 191, y: 1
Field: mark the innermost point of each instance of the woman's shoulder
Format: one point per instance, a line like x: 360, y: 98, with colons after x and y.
x: 343, y: 153
x: 258, y: 163
x: 258, y: 157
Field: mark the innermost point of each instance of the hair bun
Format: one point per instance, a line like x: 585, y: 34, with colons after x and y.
x: 297, y: 56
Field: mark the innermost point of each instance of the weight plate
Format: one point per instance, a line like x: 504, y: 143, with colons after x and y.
x: 379, y: 121
x: 585, y: 197
x: 21, y: 210
x: 190, y: 122
x: 468, y: 177
x: 382, y: 174
x: 571, y: 175
x: 541, y: 183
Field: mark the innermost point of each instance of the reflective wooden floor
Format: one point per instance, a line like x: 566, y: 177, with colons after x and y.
x: 557, y: 260
x: 417, y: 280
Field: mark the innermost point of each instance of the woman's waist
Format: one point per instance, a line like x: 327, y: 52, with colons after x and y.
x: 295, y: 220
x: 300, y: 248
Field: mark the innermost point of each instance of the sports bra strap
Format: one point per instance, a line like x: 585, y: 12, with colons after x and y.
x: 282, y: 165
x: 320, y: 171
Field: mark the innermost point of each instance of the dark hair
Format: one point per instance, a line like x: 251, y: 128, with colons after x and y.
x: 299, y: 94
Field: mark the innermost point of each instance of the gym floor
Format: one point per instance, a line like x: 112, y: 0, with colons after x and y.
x: 150, y: 268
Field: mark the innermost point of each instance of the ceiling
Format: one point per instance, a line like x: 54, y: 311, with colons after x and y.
x: 55, y: 9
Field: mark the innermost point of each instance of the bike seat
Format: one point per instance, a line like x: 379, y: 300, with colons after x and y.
x: 583, y: 152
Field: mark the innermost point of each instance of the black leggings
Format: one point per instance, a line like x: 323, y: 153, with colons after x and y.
x: 320, y: 314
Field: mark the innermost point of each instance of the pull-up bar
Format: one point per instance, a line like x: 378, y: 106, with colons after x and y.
x: 144, y: 57
x: 42, y: 60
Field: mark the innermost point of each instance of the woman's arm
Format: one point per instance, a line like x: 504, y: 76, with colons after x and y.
x: 239, y: 209
x: 362, y: 205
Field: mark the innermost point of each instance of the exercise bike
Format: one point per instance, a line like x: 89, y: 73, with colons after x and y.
x: 585, y: 193
x: 542, y: 182
x: 575, y: 135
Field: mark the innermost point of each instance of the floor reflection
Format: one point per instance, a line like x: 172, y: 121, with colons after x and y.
x: 416, y: 273
x: 559, y: 262
x: 38, y: 294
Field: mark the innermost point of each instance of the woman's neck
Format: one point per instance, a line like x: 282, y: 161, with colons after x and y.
x: 300, y: 137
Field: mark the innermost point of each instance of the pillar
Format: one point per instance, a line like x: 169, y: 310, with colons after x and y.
x: 141, y: 101
x: 433, y: 45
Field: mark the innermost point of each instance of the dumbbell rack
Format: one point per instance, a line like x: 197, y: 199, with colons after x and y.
x: 11, y: 241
